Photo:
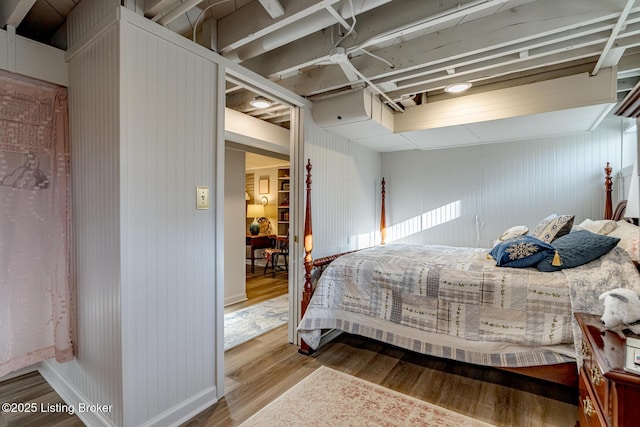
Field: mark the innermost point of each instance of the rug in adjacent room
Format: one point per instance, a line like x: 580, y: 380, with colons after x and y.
x: 331, y: 398
x: 248, y: 323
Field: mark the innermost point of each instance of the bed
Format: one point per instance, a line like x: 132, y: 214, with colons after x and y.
x: 456, y: 303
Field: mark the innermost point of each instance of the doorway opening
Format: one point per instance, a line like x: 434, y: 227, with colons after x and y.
x: 256, y: 290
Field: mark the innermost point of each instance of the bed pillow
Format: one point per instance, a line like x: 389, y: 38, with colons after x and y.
x: 600, y: 226
x: 510, y: 233
x: 627, y: 233
x: 578, y: 248
x: 552, y: 227
x: 519, y: 252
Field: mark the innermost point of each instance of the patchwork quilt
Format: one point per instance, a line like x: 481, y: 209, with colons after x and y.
x: 454, y: 302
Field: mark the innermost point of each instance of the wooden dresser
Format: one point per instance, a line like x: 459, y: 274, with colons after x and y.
x: 609, y: 396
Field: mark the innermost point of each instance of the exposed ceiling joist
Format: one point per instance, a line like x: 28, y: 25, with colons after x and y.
x: 493, y: 67
x: 585, y: 55
x: 153, y: 8
x: 12, y: 12
x: 386, y: 19
x: 251, y: 23
x: 524, y: 24
x: 177, y: 12
x: 273, y: 8
x: 614, y: 34
x: 405, y: 51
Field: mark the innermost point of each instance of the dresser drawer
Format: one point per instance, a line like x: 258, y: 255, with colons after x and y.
x: 589, y: 411
x: 587, y: 354
x: 600, y: 387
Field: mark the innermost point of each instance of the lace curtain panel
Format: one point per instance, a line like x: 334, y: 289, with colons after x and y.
x: 35, y: 303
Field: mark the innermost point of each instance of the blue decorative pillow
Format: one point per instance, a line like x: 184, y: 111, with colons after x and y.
x: 523, y: 251
x: 578, y: 248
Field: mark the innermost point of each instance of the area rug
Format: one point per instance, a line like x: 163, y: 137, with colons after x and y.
x: 248, y: 323
x: 331, y: 398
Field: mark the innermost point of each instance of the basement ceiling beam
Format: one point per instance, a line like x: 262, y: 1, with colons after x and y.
x: 250, y: 22
x: 625, y: 85
x: 614, y: 34
x: 315, y: 47
x: 594, y: 34
x: 155, y: 7
x: 273, y: 8
x: 523, y: 24
x: 177, y: 12
x: 587, y: 54
x: 537, y: 57
x: 629, y: 64
x: 12, y: 12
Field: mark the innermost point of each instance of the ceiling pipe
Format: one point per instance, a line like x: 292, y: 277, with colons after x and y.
x: 613, y: 36
x: 294, y: 31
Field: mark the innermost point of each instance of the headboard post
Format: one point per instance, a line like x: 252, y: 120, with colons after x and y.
x: 383, y: 219
x: 608, y: 183
x: 308, y: 260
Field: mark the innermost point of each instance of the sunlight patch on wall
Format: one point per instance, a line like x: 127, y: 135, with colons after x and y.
x: 365, y: 240
x: 425, y: 221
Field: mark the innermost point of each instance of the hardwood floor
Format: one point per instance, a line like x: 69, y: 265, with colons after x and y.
x: 31, y: 389
x: 260, y: 370
x: 261, y: 287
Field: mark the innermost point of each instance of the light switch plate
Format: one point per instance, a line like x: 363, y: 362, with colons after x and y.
x: 202, y: 197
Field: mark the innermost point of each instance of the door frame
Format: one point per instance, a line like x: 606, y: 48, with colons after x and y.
x: 299, y: 107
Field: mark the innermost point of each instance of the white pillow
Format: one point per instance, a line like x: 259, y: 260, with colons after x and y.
x: 512, y: 233
x: 600, y: 226
x: 626, y: 232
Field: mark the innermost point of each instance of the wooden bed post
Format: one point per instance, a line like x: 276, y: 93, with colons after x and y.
x: 383, y: 220
x: 608, y: 183
x: 308, y: 260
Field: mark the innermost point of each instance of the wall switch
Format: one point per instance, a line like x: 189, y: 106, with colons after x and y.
x: 202, y: 197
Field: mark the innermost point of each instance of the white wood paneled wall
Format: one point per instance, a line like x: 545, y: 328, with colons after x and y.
x: 345, y: 192
x: 168, y: 99
x: 144, y: 129
x: 96, y: 373
x: 469, y: 196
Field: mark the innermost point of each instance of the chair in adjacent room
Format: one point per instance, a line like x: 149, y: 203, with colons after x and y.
x: 272, y: 255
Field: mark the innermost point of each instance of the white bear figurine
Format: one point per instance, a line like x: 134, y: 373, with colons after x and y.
x: 621, y: 306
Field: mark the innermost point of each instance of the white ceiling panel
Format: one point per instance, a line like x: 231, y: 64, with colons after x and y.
x: 451, y: 136
x: 541, y: 125
x: 386, y: 143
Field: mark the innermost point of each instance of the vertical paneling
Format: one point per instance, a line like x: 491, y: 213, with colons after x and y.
x: 96, y: 373
x: 167, y: 149
x: 85, y: 18
x: 343, y: 191
x: 500, y: 185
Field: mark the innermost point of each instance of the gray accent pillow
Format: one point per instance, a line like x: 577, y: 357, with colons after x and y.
x: 578, y: 248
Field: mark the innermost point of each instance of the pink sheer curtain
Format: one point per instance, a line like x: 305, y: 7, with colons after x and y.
x: 35, y: 303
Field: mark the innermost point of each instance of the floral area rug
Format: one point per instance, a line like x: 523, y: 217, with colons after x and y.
x: 243, y: 325
x: 331, y: 398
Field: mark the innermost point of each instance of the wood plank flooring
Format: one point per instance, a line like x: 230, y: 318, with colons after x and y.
x: 32, y: 389
x: 260, y: 370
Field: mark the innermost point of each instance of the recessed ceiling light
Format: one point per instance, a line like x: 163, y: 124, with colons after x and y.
x: 457, y: 87
x: 260, y: 102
